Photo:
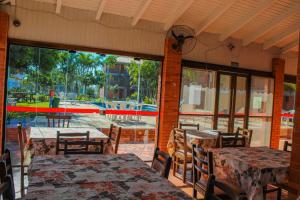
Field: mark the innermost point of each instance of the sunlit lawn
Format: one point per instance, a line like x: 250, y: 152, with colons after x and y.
x: 36, y: 104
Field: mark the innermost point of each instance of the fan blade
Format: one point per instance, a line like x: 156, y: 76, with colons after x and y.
x: 174, y: 35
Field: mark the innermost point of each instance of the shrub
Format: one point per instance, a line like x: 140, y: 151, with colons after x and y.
x: 148, y: 100
x: 90, y: 92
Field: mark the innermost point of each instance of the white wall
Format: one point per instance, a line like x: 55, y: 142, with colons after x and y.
x: 78, y: 27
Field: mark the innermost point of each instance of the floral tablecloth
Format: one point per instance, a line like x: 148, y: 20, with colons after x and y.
x: 121, y: 176
x: 205, y: 138
x: 42, y: 140
x: 251, y: 168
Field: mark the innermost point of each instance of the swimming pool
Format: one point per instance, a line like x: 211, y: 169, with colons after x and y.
x: 145, y: 107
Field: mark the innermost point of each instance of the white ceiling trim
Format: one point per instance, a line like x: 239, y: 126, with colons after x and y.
x: 141, y: 10
x: 212, y: 17
x: 264, y: 29
x: 290, y: 46
x: 100, y: 9
x: 58, y: 6
x: 245, y: 20
x: 181, y: 9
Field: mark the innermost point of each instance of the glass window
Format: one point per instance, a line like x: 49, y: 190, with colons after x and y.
x: 261, y: 108
x: 287, y: 115
x: 197, y: 91
x: 197, y: 100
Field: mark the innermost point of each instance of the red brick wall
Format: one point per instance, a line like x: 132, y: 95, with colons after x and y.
x: 134, y: 135
x: 170, y: 94
x: 294, y: 179
x: 4, y: 20
x: 278, y: 70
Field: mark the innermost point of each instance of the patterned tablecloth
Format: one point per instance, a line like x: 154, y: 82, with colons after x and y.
x: 122, y: 176
x: 205, y: 138
x: 251, y: 168
x: 42, y: 140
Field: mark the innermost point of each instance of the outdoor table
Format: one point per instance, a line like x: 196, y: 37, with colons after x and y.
x: 251, y: 168
x: 119, y: 176
x: 42, y: 140
x: 204, y: 138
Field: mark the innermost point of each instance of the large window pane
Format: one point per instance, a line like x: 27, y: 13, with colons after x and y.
x: 261, y: 102
x: 197, y: 91
x: 261, y: 127
x: 225, y: 94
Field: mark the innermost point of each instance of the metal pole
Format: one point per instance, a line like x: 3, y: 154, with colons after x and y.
x: 139, y: 81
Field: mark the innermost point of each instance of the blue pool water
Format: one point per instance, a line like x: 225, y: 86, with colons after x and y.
x: 145, y: 107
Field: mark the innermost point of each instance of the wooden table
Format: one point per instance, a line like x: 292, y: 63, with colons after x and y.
x: 121, y: 176
x: 204, y: 138
x: 251, y: 168
x: 43, y: 139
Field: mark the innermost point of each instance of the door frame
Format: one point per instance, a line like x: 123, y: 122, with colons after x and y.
x: 231, y: 116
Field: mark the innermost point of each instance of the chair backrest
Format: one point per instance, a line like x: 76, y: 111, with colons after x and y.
x: 79, y: 150
x: 202, y: 167
x: 189, y: 126
x: 6, y: 183
x: 287, y: 146
x: 6, y: 157
x: 61, y: 137
x: 230, y: 192
x: 59, y: 120
x: 232, y: 141
x: 180, y: 140
x: 21, y: 141
x: 247, y: 133
x: 161, y: 163
x: 114, y: 136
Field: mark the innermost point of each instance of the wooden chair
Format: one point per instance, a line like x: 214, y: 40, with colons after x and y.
x: 161, y: 163
x: 23, y: 166
x: 246, y: 133
x: 225, y: 191
x: 202, y: 168
x: 6, y: 183
x: 61, y: 137
x: 59, y: 121
x: 114, y: 136
x: 189, y: 126
x: 182, y: 154
x: 79, y: 150
x: 287, y: 146
x: 279, y: 187
x: 231, y: 141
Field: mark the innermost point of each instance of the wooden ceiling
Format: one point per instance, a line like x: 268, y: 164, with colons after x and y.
x: 269, y: 22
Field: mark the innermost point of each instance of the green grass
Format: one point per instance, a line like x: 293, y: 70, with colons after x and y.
x: 37, y: 104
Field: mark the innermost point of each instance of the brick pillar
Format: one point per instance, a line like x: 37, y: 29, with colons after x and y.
x: 278, y: 70
x: 294, y: 178
x: 4, y: 21
x: 170, y: 94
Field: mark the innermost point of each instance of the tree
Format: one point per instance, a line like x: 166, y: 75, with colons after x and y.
x: 149, y: 71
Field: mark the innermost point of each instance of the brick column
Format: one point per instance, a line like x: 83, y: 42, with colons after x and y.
x: 278, y: 70
x: 170, y: 94
x: 294, y: 179
x: 4, y: 21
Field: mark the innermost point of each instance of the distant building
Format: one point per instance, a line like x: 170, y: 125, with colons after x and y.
x: 117, y: 85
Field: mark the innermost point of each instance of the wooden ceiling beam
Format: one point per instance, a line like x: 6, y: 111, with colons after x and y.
x: 180, y: 10
x: 267, y: 27
x: 282, y: 35
x: 100, y: 9
x: 212, y: 17
x: 289, y: 46
x: 58, y: 6
x: 245, y: 20
x: 142, y: 9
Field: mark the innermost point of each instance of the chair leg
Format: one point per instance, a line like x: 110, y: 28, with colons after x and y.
x: 194, y: 193
x: 174, y: 165
x: 22, y: 181
x: 264, y: 193
x: 184, y: 171
x: 279, y: 194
